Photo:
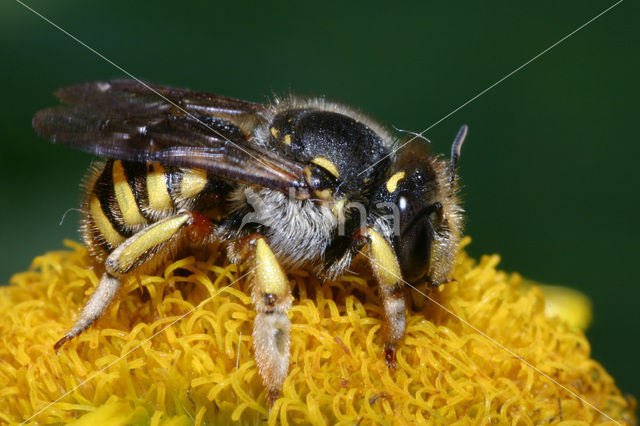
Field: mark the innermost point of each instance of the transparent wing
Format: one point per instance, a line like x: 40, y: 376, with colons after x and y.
x: 124, y: 119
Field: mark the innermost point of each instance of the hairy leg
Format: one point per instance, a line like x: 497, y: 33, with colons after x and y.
x: 389, y: 277
x: 135, y: 251
x: 272, y: 301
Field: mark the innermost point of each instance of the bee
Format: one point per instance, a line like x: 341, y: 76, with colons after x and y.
x: 291, y: 184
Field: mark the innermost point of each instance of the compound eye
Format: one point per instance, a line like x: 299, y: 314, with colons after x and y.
x: 408, y: 206
x: 413, y: 245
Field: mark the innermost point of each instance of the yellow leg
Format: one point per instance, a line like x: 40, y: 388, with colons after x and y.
x: 387, y: 272
x: 128, y: 256
x: 271, y: 327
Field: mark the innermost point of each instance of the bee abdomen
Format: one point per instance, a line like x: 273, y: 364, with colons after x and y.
x: 124, y: 197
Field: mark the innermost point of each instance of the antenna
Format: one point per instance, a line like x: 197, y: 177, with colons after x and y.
x: 455, y: 150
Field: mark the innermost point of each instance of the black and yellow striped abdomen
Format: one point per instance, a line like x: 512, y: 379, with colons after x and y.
x: 125, y: 197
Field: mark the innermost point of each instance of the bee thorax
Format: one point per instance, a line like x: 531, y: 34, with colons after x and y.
x: 298, y: 231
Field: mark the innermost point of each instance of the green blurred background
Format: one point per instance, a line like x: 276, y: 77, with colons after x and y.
x: 548, y: 167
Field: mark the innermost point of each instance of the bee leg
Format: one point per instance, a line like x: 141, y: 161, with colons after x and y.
x: 93, y: 308
x: 133, y: 252
x: 271, y: 328
x: 387, y: 272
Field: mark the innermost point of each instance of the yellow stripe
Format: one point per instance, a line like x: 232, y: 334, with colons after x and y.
x: 392, y: 183
x: 159, y: 197
x: 384, y: 261
x: 193, y: 182
x: 337, y: 208
x: 327, y: 165
x: 268, y: 273
x: 287, y: 139
x: 149, y: 238
x: 125, y: 198
x: 105, y: 228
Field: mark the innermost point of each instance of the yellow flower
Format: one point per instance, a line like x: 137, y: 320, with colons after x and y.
x: 176, y: 349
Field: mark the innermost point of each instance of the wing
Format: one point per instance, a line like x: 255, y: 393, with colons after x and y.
x: 128, y: 120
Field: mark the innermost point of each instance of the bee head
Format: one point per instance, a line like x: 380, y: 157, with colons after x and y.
x: 420, y: 192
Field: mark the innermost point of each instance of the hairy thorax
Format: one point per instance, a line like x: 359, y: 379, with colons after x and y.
x: 298, y: 231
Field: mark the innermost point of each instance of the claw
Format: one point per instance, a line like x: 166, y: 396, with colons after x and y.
x: 61, y: 342
x: 272, y: 396
x: 390, y: 356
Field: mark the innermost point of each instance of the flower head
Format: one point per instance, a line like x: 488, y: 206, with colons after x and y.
x: 176, y: 348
